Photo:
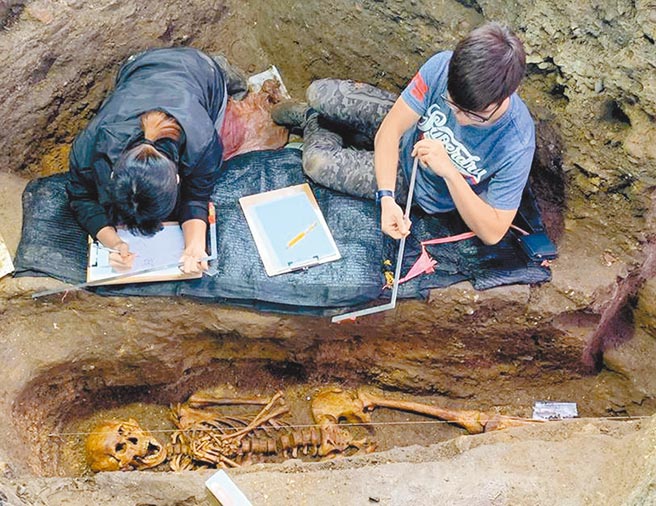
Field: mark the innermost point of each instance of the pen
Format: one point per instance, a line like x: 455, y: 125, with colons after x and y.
x: 300, y: 236
x: 110, y: 250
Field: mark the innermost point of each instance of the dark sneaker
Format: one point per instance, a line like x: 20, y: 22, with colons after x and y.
x: 291, y: 114
x: 236, y: 80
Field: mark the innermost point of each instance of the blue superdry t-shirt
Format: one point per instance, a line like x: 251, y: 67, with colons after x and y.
x: 494, y: 158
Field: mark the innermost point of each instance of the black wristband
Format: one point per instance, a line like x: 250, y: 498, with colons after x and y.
x: 383, y: 193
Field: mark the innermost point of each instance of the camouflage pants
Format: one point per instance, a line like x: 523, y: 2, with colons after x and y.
x: 359, y: 108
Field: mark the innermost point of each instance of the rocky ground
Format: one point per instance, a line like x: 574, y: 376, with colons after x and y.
x: 588, y: 336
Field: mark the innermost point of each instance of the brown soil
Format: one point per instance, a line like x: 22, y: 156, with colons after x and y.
x: 588, y: 336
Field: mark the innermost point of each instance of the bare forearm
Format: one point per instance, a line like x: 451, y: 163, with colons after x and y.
x: 108, y: 237
x: 386, y: 159
x: 386, y: 145
x: 194, y: 233
x: 194, y: 256
x: 488, y: 223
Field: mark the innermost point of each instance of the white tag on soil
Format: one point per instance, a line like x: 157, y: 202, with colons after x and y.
x: 548, y: 410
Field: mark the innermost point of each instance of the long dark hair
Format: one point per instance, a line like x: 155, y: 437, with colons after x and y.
x: 144, y: 186
x: 486, y: 67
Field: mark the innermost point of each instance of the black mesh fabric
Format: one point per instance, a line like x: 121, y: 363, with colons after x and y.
x: 484, y: 266
x: 53, y: 244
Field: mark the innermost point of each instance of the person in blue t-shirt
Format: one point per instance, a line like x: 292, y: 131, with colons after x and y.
x: 460, y: 116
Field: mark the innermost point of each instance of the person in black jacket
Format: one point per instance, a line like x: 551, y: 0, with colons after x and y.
x: 152, y: 153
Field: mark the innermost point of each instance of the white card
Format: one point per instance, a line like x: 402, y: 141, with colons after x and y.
x: 225, y: 490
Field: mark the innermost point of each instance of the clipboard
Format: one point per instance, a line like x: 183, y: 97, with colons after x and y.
x: 289, y: 229
x: 163, y: 248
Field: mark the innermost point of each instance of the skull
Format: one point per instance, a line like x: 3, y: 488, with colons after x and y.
x: 121, y: 446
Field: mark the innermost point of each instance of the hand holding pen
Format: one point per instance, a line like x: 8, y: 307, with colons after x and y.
x: 120, y: 257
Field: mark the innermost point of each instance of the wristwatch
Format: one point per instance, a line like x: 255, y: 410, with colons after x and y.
x: 383, y: 193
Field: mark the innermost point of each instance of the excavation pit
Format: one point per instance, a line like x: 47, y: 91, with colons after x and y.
x: 140, y: 366
x: 585, y: 337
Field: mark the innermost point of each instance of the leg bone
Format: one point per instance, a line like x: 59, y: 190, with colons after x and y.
x: 475, y: 422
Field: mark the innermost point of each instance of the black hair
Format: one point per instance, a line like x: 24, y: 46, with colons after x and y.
x: 486, y: 67
x: 143, y: 190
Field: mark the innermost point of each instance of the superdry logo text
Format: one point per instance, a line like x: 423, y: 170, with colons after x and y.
x: 433, y: 126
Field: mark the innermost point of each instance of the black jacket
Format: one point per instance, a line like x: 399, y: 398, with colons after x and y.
x: 184, y: 83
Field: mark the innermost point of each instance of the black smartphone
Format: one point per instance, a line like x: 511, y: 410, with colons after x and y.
x: 538, y: 246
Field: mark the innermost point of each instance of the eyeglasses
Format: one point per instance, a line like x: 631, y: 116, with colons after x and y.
x: 470, y: 114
